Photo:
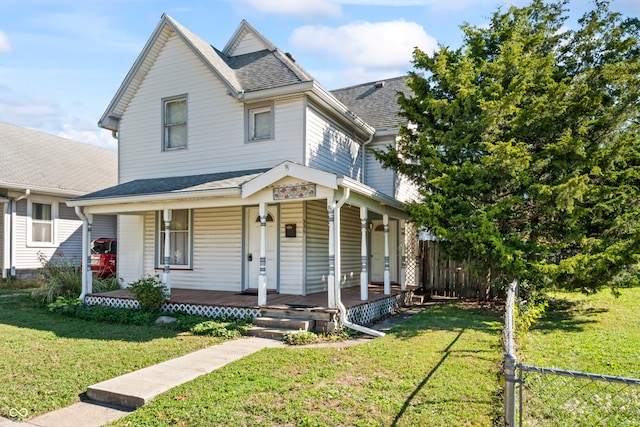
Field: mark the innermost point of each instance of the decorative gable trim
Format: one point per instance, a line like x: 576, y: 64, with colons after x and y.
x: 246, y: 39
x: 288, y: 169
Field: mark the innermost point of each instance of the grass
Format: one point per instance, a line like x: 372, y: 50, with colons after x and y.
x: 595, y: 334
x: 591, y: 333
x: 439, y: 369
x: 47, y: 361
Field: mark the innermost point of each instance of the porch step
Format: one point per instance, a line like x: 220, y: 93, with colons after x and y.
x: 283, y: 323
x: 417, y: 299
x: 300, y: 313
x: 273, y: 333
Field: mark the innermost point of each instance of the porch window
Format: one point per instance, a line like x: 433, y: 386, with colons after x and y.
x: 260, y: 122
x: 41, y: 227
x: 175, y: 123
x: 180, y: 238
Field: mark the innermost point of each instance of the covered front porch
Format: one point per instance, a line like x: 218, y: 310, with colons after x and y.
x: 238, y: 304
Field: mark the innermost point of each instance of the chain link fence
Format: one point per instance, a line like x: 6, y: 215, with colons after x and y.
x: 537, y: 396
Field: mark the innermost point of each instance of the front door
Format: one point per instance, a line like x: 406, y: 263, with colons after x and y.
x: 377, y: 251
x: 252, y: 255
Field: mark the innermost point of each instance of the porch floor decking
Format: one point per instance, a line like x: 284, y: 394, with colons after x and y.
x: 350, y: 297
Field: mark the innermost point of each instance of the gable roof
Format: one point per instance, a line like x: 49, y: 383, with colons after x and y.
x: 376, y: 102
x: 50, y: 164
x: 250, y: 67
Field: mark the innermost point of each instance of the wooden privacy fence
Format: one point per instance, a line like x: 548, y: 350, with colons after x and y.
x: 444, y: 277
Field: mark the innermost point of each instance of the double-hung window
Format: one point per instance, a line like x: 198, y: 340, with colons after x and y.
x: 41, y: 228
x: 175, y: 123
x: 260, y: 122
x: 180, y: 238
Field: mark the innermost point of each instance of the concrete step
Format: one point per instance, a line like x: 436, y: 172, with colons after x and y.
x: 417, y: 299
x: 273, y: 333
x: 300, y: 313
x: 276, y: 322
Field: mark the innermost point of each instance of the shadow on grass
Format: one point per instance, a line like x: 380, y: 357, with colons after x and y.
x: 448, y: 316
x: 22, y: 312
x: 567, y: 316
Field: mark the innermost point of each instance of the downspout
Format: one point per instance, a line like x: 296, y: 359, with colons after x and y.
x: 12, y: 237
x: 86, y: 264
x: 6, y: 224
x: 338, y: 273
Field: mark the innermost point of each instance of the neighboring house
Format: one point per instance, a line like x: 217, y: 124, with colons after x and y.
x: 38, y: 173
x: 238, y: 171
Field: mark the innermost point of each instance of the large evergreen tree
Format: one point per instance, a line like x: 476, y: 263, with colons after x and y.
x: 525, y: 145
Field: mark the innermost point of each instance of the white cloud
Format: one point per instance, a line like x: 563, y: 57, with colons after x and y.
x: 365, y: 44
x: 99, y: 137
x: 5, y: 45
x: 307, y: 9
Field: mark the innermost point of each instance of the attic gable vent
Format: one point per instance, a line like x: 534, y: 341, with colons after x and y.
x: 380, y: 84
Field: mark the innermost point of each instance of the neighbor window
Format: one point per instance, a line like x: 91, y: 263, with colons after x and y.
x: 41, y: 228
x: 260, y: 120
x: 175, y: 123
x: 180, y: 238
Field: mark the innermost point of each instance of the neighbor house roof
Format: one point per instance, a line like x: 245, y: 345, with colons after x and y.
x: 50, y: 164
x: 376, y: 102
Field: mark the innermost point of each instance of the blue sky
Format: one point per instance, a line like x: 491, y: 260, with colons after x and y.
x: 61, y: 61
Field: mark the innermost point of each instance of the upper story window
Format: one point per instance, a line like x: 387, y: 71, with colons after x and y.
x: 175, y: 123
x: 260, y: 122
x: 41, y: 230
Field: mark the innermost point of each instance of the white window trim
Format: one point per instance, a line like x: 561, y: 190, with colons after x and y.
x: 159, y: 242
x: 165, y: 137
x: 54, y: 227
x: 251, y: 111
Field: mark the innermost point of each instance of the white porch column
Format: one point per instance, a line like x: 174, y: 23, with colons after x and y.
x: 87, y: 268
x: 6, y: 260
x: 331, y: 279
x: 387, y: 278
x: 12, y: 241
x: 262, y: 277
x: 364, y: 275
x: 166, y: 276
x: 403, y: 251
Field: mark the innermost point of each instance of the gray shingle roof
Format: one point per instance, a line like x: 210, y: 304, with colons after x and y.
x: 377, y: 106
x: 44, y: 162
x: 177, y: 184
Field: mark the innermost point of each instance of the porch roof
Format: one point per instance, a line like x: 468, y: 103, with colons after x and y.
x: 176, y: 186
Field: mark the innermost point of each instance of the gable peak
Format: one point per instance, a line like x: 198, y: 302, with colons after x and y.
x: 246, y: 39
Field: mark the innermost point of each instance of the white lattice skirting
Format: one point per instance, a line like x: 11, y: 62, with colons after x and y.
x: 368, y: 313
x: 195, y: 309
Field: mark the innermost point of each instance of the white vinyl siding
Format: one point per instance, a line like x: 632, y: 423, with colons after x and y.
x: 131, y: 248
x: 217, y: 250
x: 317, y: 242
x: 330, y: 147
x: 216, y: 124
x: 292, y: 249
x: 350, y: 246
x: 376, y: 176
x: 248, y: 43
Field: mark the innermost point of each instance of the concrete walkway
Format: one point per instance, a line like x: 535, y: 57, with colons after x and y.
x: 115, y: 398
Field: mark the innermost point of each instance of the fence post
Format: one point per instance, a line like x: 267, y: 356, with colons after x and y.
x: 509, y: 359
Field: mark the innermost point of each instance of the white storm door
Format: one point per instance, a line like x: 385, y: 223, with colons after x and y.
x: 377, y: 251
x: 253, y: 248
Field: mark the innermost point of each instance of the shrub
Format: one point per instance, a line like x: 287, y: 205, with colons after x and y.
x: 299, y: 337
x: 60, y: 278
x: 149, y: 292
x: 222, y: 328
x: 103, y: 284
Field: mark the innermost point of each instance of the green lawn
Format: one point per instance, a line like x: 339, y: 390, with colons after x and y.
x: 47, y: 361
x: 592, y: 333
x: 440, y: 368
x: 597, y: 334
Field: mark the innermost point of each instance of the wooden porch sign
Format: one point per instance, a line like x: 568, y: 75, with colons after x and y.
x: 294, y: 192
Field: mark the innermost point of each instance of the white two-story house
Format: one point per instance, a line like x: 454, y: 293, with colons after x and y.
x: 238, y: 171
